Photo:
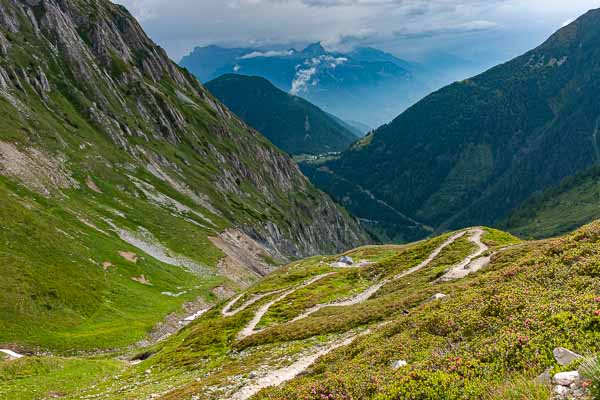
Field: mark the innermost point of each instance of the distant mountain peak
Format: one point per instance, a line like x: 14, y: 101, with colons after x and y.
x: 362, y: 85
x: 314, y: 49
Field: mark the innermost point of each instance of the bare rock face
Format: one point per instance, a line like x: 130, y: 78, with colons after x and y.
x: 95, y: 57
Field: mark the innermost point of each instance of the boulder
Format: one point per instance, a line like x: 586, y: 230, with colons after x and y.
x: 565, y: 357
x: 346, y: 260
x: 435, y: 297
x: 566, y: 378
x: 399, y: 364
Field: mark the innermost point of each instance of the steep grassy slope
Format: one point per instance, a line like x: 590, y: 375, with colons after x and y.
x: 290, y: 122
x: 495, y: 329
x: 470, y: 153
x: 126, y: 190
x: 573, y: 203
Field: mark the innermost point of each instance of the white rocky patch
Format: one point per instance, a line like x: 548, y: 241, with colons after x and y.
x: 145, y: 241
x: 163, y: 200
x: 11, y: 354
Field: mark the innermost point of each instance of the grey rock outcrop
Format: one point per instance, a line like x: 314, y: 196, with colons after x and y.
x: 564, y: 356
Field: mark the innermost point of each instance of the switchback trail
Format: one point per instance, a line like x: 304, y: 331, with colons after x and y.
x: 227, y: 309
x: 250, y: 329
x: 370, y: 291
x: 473, y: 262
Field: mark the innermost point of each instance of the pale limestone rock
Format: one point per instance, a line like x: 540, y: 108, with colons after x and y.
x: 566, y: 378
x: 565, y: 357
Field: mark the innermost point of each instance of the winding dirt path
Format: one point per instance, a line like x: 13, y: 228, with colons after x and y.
x: 281, y: 375
x: 473, y: 262
x: 250, y: 329
x: 370, y: 291
x: 227, y: 309
x: 432, y: 256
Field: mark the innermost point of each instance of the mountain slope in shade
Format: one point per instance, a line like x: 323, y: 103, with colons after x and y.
x: 290, y: 122
x: 126, y: 189
x: 366, y: 85
x: 571, y: 204
x: 470, y: 153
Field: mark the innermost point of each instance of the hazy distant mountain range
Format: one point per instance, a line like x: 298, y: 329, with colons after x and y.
x: 366, y: 85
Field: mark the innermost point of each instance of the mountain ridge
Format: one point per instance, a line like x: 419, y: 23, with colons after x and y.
x: 290, y: 122
x: 129, y: 178
x: 471, y: 152
x: 340, y: 83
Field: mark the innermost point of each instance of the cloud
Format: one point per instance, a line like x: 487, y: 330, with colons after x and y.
x: 466, y: 27
x: 308, y: 70
x: 271, y: 53
x: 302, y: 78
x: 475, y: 29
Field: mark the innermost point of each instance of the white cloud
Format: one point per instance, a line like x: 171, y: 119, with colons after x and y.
x: 302, y: 79
x: 405, y: 27
x: 306, y: 72
x: 271, y: 53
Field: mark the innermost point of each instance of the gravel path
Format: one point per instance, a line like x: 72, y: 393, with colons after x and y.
x: 281, y: 375
x: 250, y: 329
x: 473, y: 262
x: 227, y: 309
x: 370, y: 291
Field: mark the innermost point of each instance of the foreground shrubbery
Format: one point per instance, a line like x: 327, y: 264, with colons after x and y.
x: 488, y: 339
x: 500, y: 324
x: 591, y: 371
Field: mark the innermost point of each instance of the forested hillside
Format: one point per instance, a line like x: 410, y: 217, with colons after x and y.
x: 471, y: 152
x: 289, y: 122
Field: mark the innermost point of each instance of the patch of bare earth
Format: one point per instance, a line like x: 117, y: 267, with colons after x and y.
x: 142, y: 279
x: 92, y: 185
x: 131, y: 257
x: 223, y: 292
x: 37, y: 170
x: 245, y: 258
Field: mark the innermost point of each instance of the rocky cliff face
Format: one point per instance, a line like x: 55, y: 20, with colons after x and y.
x: 126, y: 189
x: 97, y: 59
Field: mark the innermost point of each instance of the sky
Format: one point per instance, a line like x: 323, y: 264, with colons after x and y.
x: 482, y: 31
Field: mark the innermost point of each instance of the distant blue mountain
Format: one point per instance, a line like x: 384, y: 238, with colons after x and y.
x: 365, y: 85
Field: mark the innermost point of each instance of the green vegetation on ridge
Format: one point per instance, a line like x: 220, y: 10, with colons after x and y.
x: 558, y: 210
x: 491, y: 335
x: 290, y: 122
